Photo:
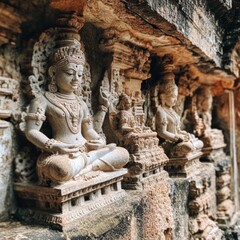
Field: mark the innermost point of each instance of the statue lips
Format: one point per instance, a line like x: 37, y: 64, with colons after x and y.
x: 74, y: 83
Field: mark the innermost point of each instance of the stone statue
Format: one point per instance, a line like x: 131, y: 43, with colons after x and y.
x: 127, y: 122
x: 176, y: 142
x: 74, y: 147
x: 199, y: 117
x: 130, y: 128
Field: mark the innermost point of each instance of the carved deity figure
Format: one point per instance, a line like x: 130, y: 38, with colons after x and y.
x: 176, y: 142
x: 132, y: 133
x: 202, y: 118
x: 74, y: 147
x: 127, y: 122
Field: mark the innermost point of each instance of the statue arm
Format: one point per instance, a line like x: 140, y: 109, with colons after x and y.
x: 93, y: 138
x: 34, y: 120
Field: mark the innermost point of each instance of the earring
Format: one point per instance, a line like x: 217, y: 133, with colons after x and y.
x: 52, y: 87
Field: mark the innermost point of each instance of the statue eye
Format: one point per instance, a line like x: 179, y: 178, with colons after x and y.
x: 69, y: 72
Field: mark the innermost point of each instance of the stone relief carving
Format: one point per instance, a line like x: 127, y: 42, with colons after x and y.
x: 74, y: 147
x: 6, y: 143
x: 202, y: 118
x: 25, y: 166
x: 75, y: 160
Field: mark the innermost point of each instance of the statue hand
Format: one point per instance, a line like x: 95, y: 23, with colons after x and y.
x: 64, y: 148
x: 103, y: 98
x: 183, y: 137
x: 95, y: 144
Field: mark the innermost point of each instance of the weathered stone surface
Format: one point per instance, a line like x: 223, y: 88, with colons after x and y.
x: 198, y: 34
x: 128, y: 219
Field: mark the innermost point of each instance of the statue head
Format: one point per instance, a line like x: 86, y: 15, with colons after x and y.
x: 168, y: 93
x: 66, y: 68
x: 124, y: 102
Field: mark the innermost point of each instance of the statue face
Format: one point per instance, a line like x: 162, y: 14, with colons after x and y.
x: 68, y: 77
x: 170, y: 99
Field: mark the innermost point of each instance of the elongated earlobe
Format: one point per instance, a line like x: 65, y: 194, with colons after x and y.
x: 52, y: 71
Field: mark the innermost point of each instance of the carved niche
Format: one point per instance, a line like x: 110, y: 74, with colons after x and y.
x: 183, y: 148
x: 198, y: 119
x: 87, y: 176
x: 128, y: 67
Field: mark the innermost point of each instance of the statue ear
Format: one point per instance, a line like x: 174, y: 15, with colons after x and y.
x: 52, y: 71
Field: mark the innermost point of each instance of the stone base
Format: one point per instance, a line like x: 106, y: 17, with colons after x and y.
x: 61, y: 205
x: 183, y: 166
x: 143, y: 168
x: 213, y: 154
x: 145, y: 179
x: 204, y: 228
x: 225, y: 211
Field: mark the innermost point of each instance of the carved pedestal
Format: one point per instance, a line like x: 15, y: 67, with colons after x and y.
x: 145, y: 165
x: 61, y: 205
x: 222, y: 164
x: 212, y: 153
x: 225, y: 205
x: 183, y: 166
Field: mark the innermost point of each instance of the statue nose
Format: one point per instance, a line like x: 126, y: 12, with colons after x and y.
x: 75, y: 77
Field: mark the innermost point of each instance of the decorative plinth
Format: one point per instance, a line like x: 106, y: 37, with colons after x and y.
x: 140, y: 169
x: 59, y: 206
x: 211, y: 154
x: 145, y: 179
x: 183, y: 166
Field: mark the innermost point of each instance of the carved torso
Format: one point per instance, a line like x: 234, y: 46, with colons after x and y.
x: 168, y: 117
x: 127, y: 119
x: 65, y: 117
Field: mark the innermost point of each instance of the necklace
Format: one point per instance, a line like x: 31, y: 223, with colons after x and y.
x: 71, y: 108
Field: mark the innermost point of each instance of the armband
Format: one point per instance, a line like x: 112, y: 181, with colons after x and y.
x: 36, y: 116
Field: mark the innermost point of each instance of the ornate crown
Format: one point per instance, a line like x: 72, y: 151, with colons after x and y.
x: 68, y: 54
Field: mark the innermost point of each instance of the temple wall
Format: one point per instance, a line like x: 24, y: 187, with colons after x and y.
x: 131, y: 47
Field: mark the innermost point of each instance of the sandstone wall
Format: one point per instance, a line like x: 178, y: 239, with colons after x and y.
x: 192, y: 31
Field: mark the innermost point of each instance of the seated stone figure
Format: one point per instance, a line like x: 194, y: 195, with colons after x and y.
x: 176, y: 142
x: 133, y: 134
x: 74, y: 147
x: 203, y: 114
